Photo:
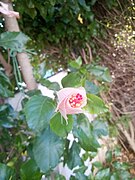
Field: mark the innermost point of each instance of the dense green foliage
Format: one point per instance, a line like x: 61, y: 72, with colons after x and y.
x: 57, y: 21
x: 59, y: 28
x: 61, y: 22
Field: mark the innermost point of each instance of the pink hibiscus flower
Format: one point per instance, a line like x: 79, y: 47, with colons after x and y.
x: 71, y: 101
x: 4, y: 10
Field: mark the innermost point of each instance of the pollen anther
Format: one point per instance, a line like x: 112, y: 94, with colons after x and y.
x: 76, y: 100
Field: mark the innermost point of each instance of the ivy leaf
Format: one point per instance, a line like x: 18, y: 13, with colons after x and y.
x: 13, y: 40
x: 83, y: 131
x: 59, y: 125
x: 83, y: 4
x: 73, y: 156
x: 95, y: 104
x: 39, y: 110
x: 47, y: 150
x: 30, y: 4
x: 92, y: 2
x: 31, y: 12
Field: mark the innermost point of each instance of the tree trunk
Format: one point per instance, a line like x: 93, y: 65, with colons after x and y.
x: 11, y: 24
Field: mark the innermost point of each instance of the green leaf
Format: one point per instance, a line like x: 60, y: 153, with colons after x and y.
x: 5, y: 85
x: 59, y: 125
x: 4, y: 80
x: 6, y: 173
x: 125, y: 175
x: 7, y: 116
x: 92, y: 2
x: 81, y: 169
x: 97, y: 164
x: 5, y: 92
x: 100, y: 72
x: 74, y: 64
x: 74, y: 157
x: 13, y: 40
x: 30, y: 4
x: 117, y: 151
x: 72, y: 80
x: 100, y: 128
x: 33, y: 92
x: 29, y: 170
x: 95, y: 104
x: 59, y: 177
x: 108, y: 156
x: 82, y: 130
x: 47, y: 150
x: 106, y: 76
x: 31, y: 12
x: 103, y: 174
x: 77, y: 63
x: 83, y: 4
x: 42, y: 10
x: 96, y: 70
x: 115, y: 176
x: 121, y: 166
x: 50, y: 85
x: 79, y: 176
x: 39, y: 110
x: 91, y: 87
x: 117, y: 165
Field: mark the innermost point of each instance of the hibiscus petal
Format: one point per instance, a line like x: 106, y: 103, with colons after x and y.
x: 62, y: 109
x: 4, y: 10
x: 63, y: 114
x: 4, y: 6
x: 64, y: 105
x: 70, y: 110
x: 66, y: 92
x: 74, y: 111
